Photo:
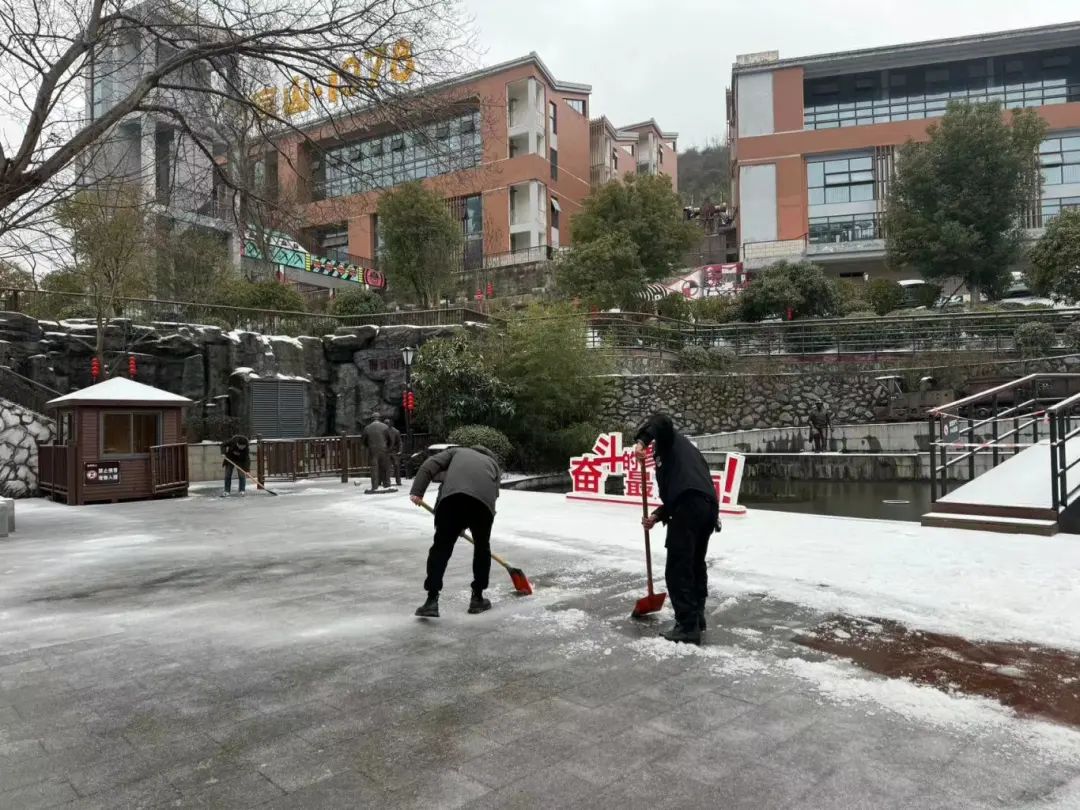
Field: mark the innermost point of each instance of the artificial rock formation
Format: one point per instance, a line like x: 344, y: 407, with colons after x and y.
x: 20, y: 432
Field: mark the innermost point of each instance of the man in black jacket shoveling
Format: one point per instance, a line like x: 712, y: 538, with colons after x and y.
x: 470, y: 487
x: 691, y: 511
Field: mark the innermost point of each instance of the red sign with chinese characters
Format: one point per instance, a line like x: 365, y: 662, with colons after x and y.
x: 589, y: 474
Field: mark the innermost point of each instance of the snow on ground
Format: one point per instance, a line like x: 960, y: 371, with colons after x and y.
x: 978, y: 585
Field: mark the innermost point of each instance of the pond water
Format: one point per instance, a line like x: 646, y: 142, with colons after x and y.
x: 883, y: 500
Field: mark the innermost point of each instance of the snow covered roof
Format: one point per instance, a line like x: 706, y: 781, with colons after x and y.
x: 120, y: 389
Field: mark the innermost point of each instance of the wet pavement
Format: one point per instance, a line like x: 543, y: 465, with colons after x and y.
x: 262, y: 653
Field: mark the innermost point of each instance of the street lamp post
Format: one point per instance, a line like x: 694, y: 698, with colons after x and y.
x: 407, y: 355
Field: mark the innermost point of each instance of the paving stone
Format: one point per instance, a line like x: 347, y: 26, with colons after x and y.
x: 553, y: 787
x: 445, y: 789
x: 152, y: 792
x: 247, y: 790
x: 50, y: 793
x: 344, y: 791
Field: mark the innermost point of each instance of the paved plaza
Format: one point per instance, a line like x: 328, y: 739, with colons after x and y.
x: 262, y: 652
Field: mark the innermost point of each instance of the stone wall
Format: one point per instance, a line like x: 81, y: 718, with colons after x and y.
x: 713, y: 403
x: 20, y: 431
x: 710, y: 403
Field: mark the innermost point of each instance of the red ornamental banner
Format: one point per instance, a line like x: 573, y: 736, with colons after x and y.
x: 589, y: 474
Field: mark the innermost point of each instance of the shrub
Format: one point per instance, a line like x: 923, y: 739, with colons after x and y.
x: 704, y: 358
x: 262, y: 295
x: 357, y: 302
x: 674, y: 306
x: 715, y: 309
x: 494, y: 440
x: 1035, y: 339
x: 801, y: 288
x: 1072, y: 337
x: 852, y: 297
x: 885, y: 296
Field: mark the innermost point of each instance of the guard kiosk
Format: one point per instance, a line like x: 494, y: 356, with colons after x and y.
x: 118, y: 440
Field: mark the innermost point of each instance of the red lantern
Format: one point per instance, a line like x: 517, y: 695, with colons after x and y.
x: 491, y: 290
x: 95, y: 368
x: 408, y: 401
x: 131, y: 366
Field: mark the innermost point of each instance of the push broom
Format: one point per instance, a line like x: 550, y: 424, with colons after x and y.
x: 517, y: 576
x: 258, y: 483
x: 653, y: 602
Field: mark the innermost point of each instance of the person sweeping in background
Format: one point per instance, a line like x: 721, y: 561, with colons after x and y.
x: 395, y: 450
x: 470, y: 487
x: 377, y: 439
x: 691, y: 511
x: 238, y: 451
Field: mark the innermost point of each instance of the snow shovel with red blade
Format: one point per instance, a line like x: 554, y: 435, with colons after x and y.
x: 654, y: 602
x: 517, y: 576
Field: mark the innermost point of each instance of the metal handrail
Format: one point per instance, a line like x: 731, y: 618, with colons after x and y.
x: 1025, y: 415
x: 988, y: 393
x: 1061, y: 432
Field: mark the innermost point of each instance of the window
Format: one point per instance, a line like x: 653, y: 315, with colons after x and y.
x: 333, y: 242
x: 1059, y: 159
x: 553, y: 116
x: 1018, y: 80
x: 1052, y: 207
x: 852, y: 228
x: 383, y: 162
x: 127, y: 434
x: 555, y: 213
x: 554, y: 164
x: 840, y: 181
x: 577, y: 105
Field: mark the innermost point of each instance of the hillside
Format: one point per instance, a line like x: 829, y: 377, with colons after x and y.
x: 705, y: 173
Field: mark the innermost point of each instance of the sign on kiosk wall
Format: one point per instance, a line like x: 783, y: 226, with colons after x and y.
x: 589, y: 474
x: 102, y: 472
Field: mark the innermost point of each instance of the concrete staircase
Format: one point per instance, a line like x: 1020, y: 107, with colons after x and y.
x: 1012, y: 498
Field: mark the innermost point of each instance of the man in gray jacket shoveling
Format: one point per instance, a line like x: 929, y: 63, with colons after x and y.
x: 470, y: 487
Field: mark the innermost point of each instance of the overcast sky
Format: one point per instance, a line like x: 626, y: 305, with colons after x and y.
x: 671, y: 59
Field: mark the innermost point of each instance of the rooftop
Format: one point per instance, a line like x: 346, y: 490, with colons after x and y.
x: 998, y: 43
x: 120, y: 389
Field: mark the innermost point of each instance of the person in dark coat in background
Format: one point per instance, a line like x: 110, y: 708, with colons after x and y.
x: 376, y: 438
x: 470, y: 486
x: 820, y: 422
x: 238, y: 451
x: 395, y: 450
x: 691, y: 511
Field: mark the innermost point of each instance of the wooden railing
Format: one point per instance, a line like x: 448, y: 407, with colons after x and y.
x: 312, y: 457
x: 168, y: 467
x: 55, y: 467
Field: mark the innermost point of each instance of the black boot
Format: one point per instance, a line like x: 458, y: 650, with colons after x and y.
x: 681, y: 635
x: 701, y: 621
x: 430, y: 608
x: 478, y: 604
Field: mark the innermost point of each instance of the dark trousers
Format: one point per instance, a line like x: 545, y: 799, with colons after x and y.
x: 395, y: 466
x: 380, y: 469
x: 689, y: 529
x: 241, y: 478
x: 453, y: 515
x: 817, y: 436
